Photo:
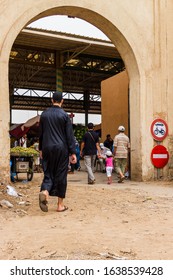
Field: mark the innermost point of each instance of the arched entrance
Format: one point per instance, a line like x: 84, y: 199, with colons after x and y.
x: 101, y: 18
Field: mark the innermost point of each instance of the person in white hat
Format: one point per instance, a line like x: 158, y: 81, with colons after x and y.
x: 121, y: 150
x: 101, y: 159
x: 109, y: 166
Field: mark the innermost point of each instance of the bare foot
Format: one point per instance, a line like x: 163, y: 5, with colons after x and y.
x: 62, y: 209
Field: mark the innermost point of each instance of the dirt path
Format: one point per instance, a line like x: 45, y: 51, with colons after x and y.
x: 131, y: 220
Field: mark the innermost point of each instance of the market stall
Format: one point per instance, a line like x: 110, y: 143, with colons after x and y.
x: 22, y: 160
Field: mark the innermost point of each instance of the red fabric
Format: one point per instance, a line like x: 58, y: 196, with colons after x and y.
x: 17, y: 132
x: 30, y: 125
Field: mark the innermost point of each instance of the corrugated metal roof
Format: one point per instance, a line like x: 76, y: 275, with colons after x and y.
x: 84, y: 61
x: 60, y: 41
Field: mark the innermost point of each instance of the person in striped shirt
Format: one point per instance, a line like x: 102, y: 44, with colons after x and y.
x: 121, y: 150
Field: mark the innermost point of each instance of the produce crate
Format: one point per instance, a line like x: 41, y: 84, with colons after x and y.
x: 22, y: 166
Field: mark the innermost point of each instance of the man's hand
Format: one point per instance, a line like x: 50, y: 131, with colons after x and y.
x: 73, y: 159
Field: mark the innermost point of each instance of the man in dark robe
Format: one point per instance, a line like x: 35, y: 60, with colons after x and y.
x: 56, y: 144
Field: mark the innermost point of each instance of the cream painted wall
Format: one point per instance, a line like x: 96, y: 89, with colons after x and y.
x: 114, y: 95
x: 142, y: 33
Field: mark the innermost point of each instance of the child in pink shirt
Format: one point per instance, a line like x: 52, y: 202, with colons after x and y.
x: 109, y: 166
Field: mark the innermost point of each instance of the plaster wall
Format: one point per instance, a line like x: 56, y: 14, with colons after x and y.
x: 114, y: 95
x: 141, y: 31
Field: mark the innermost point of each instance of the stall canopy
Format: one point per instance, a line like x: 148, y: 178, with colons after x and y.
x: 29, y: 127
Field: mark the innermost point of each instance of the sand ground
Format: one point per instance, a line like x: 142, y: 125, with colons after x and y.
x: 119, y: 221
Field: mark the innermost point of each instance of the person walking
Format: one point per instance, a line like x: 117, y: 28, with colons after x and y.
x: 89, y: 147
x: 109, y: 166
x: 121, y: 150
x: 56, y: 144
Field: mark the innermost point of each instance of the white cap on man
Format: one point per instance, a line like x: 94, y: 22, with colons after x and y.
x: 101, y: 145
x: 121, y: 128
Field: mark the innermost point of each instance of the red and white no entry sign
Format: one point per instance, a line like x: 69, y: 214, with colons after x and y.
x: 159, y: 156
x: 159, y: 129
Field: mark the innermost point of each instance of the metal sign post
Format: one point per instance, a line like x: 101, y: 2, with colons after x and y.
x: 159, y: 154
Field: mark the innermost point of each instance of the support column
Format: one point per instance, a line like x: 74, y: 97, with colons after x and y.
x: 59, y: 79
x: 59, y: 73
x: 86, y: 105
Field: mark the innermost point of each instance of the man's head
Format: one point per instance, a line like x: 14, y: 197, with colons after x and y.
x: 57, y: 97
x: 90, y: 126
x: 121, y: 128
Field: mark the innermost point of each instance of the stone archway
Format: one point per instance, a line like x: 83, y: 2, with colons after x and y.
x: 102, y: 18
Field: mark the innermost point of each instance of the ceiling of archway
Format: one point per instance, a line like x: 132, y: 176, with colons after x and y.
x: 84, y: 61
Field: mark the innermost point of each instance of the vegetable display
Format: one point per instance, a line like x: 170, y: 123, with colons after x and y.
x: 79, y: 132
x: 25, y: 152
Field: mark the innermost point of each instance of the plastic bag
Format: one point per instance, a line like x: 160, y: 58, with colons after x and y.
x: 11, y: 191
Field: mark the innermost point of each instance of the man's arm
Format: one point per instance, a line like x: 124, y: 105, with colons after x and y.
x: 115, y: 145
x: 81, y: 149
x: 114, y: 150
x: 98, y: 149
